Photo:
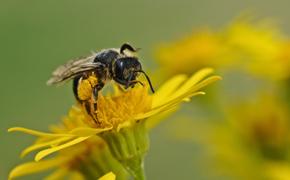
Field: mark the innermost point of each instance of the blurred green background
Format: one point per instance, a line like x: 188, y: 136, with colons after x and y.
x: 36, y: 36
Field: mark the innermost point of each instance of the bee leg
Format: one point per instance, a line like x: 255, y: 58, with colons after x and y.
x: 134, y: 82
x: 85, y: 103
x: 95, y: 98
x: 92, y: 106
x: 96, y: 90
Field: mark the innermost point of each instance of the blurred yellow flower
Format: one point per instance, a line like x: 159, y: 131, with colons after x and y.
x: 257, y: 47
x: 252, y: 142
x: 123, y: 120
x: 197, y: 50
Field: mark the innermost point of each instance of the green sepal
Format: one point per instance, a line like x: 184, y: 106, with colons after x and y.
x: 99, y: 162
x: 129, y: 146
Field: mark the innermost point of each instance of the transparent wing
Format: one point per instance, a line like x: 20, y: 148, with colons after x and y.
x: 73, y: 68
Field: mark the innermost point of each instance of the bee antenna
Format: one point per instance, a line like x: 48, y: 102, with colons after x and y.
x: 148, y: 80
x: 127, y: 46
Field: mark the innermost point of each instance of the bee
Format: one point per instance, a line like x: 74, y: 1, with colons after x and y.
x: 90, y: 74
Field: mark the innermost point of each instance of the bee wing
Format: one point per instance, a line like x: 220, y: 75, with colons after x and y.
x: 72, y: 68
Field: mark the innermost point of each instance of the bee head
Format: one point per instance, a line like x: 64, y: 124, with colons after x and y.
x: 126, y: 71
x: 127, y: 68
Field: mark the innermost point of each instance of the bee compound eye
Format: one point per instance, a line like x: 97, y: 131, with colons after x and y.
x: 126, y: 74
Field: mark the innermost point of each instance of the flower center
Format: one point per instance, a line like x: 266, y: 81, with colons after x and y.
x: 119, y: 109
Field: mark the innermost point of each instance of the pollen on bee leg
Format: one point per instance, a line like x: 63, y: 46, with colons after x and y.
x: 84, y: 90
x: 85, y: 87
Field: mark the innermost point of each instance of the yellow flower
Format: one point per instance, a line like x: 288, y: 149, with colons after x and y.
x: 278, y: 170
x: 75, y: 161
x: 257, y: 47
x: 252, y: 142
x: 194, y: 51
x: 123, y: 120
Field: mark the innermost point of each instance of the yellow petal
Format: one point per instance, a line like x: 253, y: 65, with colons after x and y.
x: 206, y: 82
x: 168, y: 106
x: 155, y: 111
x: 193, y: 90
x: 43, y: 144
x: 86, y: 131
x: 194, y: 94
x: 154, y: 121
x: 198, y: 76
x: 35, y: 167
x: 193, y: 80
x: 76, y: 175
x: 168, y: 88
x: 49, y: 151
x: 188, y: 88
x: 177, y: 100
x: 35, y: 133
x: 58, y: 174
x: 108, y: 176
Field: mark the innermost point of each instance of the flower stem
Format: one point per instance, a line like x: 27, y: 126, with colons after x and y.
x: 135, y: 167
x: 129, y: 146
x: 100, y: 161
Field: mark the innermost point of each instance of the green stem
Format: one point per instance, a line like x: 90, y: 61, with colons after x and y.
x: 140, y: 174
x: 129, y: 146
x: 135, y: 167
x: 99, y: 162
